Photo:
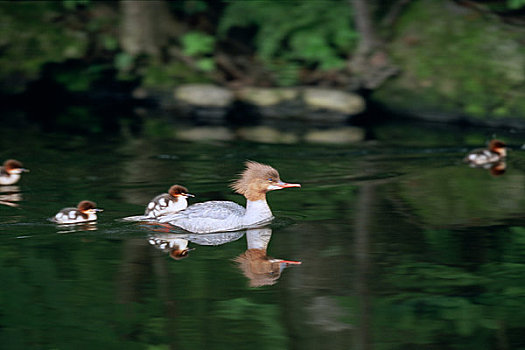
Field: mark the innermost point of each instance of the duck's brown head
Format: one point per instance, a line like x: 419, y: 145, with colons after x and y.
x: 257, y: 179
x: 261, y: 269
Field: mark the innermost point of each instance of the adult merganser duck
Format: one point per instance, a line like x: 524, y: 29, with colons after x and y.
x: 217, y: 216
x: 482, y: 156
x: 10, y: 172
x: 166, y: 203
x: 85, y: 211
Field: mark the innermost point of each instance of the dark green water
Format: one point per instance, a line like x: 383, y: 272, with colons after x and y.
x: 402, y: 246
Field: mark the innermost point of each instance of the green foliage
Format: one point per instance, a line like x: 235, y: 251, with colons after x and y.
x: 73, y: 4
x: 157, y: 75
x: 199, y: 45
x: 286, y: 73
x: 316, y: 33
x: 32, y: 38
x: 515, y: 4
x: 80, y: 79
x: 190, y: 7
x: 123, y: 61
x: 109, y: 42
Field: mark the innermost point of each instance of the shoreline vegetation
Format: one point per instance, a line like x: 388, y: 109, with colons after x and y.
x: 447, y: 61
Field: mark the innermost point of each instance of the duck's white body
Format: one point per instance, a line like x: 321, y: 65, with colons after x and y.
x: 220, y: 216
x: 165, y: 204
x: 9, y: 179
x: 72, y: 216
x: 86, y: 211
x: 496, y: 152
x: 11, y: 172
x: 483, y: 157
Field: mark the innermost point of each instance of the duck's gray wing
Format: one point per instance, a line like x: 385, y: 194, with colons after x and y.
x: 212, y: 216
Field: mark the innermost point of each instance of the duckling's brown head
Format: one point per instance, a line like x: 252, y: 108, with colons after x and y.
x: 179, y: 191
x: 87, y: 207
x: 13, y: 166
x: 179, y: 254
x: 499, y: 147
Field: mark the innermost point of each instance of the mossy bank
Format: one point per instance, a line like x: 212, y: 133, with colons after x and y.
x: 456, y: 64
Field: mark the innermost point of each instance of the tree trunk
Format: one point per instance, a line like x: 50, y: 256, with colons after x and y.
x: 146, y: 27
x: 370, y: 64
x: 368, y: 38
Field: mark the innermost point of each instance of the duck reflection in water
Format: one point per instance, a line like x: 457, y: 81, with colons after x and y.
x: 10, y: 196
x: 79, y: 227
x: 495, y: 169
x: 498, y: 169
x: 255, y: 264
x: 177, y: 248
x: 176, y: 244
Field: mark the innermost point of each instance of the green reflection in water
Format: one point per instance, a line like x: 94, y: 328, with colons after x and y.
x: 439, y: 262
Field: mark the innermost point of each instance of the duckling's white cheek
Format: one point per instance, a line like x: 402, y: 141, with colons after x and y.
x: 151, y: 205
x: 273, y: 187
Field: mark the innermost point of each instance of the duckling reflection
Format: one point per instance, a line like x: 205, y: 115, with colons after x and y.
x: 10, y: 195
x: 495, y: 169
x: 498, y: 169
x: 177, y: 248
x: 255, y: 264
x: 176, y: 245
x: 78, y: 227
x: 171, y: 232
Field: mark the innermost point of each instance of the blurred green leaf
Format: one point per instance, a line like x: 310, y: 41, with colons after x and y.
x: 515, y: 4
x: 123, y: 61
x: 206, y: 64
x: 197, y: 43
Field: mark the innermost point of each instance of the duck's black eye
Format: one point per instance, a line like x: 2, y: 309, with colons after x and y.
x: 270, y: 179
